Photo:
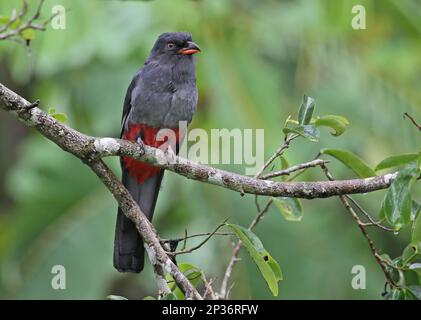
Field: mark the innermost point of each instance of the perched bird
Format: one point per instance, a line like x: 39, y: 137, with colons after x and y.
x: 160, y: 95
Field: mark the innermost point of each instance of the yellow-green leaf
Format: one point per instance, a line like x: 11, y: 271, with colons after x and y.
x: 170, y: 296
x: 416, y: 228
x: 113, y: 297
x: 395, y: 161
x: 192, y: 273
x: 352, y: 161
x: 306, y: 110
x: 269, y: 268
x: 4, y: 19
x: 62, y: 117
x: 337, y: 123
x: 397, y: 204
x: 308, y: 131
x: 28, y: 34
x: 290, y: 208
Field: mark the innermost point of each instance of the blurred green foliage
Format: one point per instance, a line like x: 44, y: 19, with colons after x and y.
x: 258, y: 59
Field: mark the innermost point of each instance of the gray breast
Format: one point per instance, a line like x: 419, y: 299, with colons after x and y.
x: 164, y: 94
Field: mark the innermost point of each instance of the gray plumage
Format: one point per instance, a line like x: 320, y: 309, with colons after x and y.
x: 160, y: 95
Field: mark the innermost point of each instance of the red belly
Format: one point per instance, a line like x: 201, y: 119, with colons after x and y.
x: 143, y: 171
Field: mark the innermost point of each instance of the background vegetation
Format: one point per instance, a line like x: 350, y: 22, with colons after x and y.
x: 258, y: 59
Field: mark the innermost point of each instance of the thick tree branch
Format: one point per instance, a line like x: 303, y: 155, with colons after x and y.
x: 77, y: 144
x: 87, y: 147
x: 157, y: 257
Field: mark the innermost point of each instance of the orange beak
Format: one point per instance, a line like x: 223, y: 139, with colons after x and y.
x: 190, y: 49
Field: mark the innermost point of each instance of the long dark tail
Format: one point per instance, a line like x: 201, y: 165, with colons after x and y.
x: 128, y: 245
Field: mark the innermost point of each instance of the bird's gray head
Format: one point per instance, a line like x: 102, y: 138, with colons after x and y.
x: 176, y: 45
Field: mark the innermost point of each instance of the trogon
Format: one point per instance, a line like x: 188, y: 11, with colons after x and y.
x: 161, y: 94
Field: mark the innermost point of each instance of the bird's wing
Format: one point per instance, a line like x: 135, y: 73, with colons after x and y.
x: 128, y: 103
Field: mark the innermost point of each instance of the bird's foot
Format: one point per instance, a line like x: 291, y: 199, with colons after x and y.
x: 34, y: 104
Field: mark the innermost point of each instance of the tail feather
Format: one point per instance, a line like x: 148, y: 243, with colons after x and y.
x: 128, y: 245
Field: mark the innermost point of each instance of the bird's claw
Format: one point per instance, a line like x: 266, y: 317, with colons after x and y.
x: 34, y: 104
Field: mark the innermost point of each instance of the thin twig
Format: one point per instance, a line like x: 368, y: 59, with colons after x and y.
x: 416, y: 124
x: 277, y: 153
x: 256, y: 203
x: 185, y: 240
x: 288, y: 171
x: 366, y: 214
x: 6, y: 34
x: 260, y: 215
x: 24, y: 9
x: 208, y: 288
x: 201, y: 243
x: 198, y: 235
x: 354, y: 215
x: 12, y: 19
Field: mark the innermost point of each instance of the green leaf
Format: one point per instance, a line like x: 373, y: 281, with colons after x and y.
x: 386, y: 257
x: 4, y: 19
x: 416, y: 208
x: 284, y: 163
x: 395, y: 294
x: 352, y: 161
x: 281, y: 164
x: 410, y: 292
x: 15, y: 24
x: 395, y: 161
x: 408, y: 295
x: 397, y: 204
x: 276, y: 268
x: 290, y: 208
x: 289, y: 120
x: 306, y: 110
x: 149, y: 298
x: 62, y: 117
x: 269, y: 268
x: 28, y: 34
x: 184, y: 267
x: 113, y: 297
x: 416, y: 267
x: 51, y: 111
x: 411, y: 277
x: 416, y: 228
x: 169, y: 296
x: 309, y: 132
x: 408, y: 253
x: 337, y: 123
x: 415, y: 290
x: 193, y: 273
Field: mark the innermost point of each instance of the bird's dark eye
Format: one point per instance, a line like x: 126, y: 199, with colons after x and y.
x: 170, y: 45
